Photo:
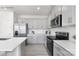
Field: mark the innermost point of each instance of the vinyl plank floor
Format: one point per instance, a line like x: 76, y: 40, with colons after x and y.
x: 35, y: 50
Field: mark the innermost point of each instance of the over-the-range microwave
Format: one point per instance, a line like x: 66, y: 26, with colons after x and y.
x: 57, y: 21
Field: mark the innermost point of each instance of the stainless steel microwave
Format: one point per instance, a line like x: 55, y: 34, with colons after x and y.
x: 57, y: 21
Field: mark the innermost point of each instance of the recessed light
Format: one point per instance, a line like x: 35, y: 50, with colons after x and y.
x: 5, y: 8
x: 38, y: 8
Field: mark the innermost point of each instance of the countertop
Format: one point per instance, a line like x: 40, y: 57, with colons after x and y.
x: 51, y: 37
x: 67, y: 44
x: 10, y: 44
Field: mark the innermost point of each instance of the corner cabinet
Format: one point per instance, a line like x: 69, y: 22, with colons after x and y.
x: 60, y: 51
x: 6, y: 24
x: 68, y: 15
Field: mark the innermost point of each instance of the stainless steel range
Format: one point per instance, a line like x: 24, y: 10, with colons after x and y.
x: 59, y: 36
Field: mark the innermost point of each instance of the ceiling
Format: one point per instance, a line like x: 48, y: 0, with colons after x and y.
x: 31, y: 10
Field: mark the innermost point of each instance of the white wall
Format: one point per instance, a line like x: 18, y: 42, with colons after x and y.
x: 34, y: 22
x: 6, y: 24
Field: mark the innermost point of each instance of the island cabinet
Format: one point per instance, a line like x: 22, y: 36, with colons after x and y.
x: 2, y: 53
x: 18, y: 51
x: 60, y: 51
x: 12, y: 47
x: 15, y: 52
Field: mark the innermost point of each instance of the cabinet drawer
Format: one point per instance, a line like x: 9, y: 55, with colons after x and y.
x: 61, y: 50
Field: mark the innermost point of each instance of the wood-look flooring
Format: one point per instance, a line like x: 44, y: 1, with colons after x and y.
x: 35, y: 50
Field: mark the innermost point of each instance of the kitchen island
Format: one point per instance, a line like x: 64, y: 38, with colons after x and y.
x: 11, y: 45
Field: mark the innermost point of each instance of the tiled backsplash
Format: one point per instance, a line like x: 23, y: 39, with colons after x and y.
x: 38, y: 31
x: 71, y: 30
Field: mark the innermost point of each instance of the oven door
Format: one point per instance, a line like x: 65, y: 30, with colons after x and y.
x: 50, y: 46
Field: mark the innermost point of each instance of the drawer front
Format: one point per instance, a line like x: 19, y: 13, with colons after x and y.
x: 61, y: 50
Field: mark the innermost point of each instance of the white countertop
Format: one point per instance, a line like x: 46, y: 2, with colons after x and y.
x: 10, y: 44
x: 67, y: 44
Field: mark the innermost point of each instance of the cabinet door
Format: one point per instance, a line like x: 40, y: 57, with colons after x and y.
x: 59, y: 51
x: 56, y: 51
x: 15, y: 52
x: 68, y: 15
x: 6, y: 24
x: 41, y: 38
x: 58, y: 10
x: 31, y: 39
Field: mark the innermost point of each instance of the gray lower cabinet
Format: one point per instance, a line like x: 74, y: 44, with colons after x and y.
x: 15, y: 52
x: 60, y: 51
x: 19, y: 51
x: 7, y: 53
x: 2, y: 53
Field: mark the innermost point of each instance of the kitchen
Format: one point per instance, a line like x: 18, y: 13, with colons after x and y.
x: 46, y: 30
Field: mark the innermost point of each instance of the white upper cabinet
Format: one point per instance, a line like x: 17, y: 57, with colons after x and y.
x: 57, y: 10
x: 68, y: 15
x: 6, y: 24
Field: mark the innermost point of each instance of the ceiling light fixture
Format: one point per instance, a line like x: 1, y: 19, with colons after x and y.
x: 3, y: 8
